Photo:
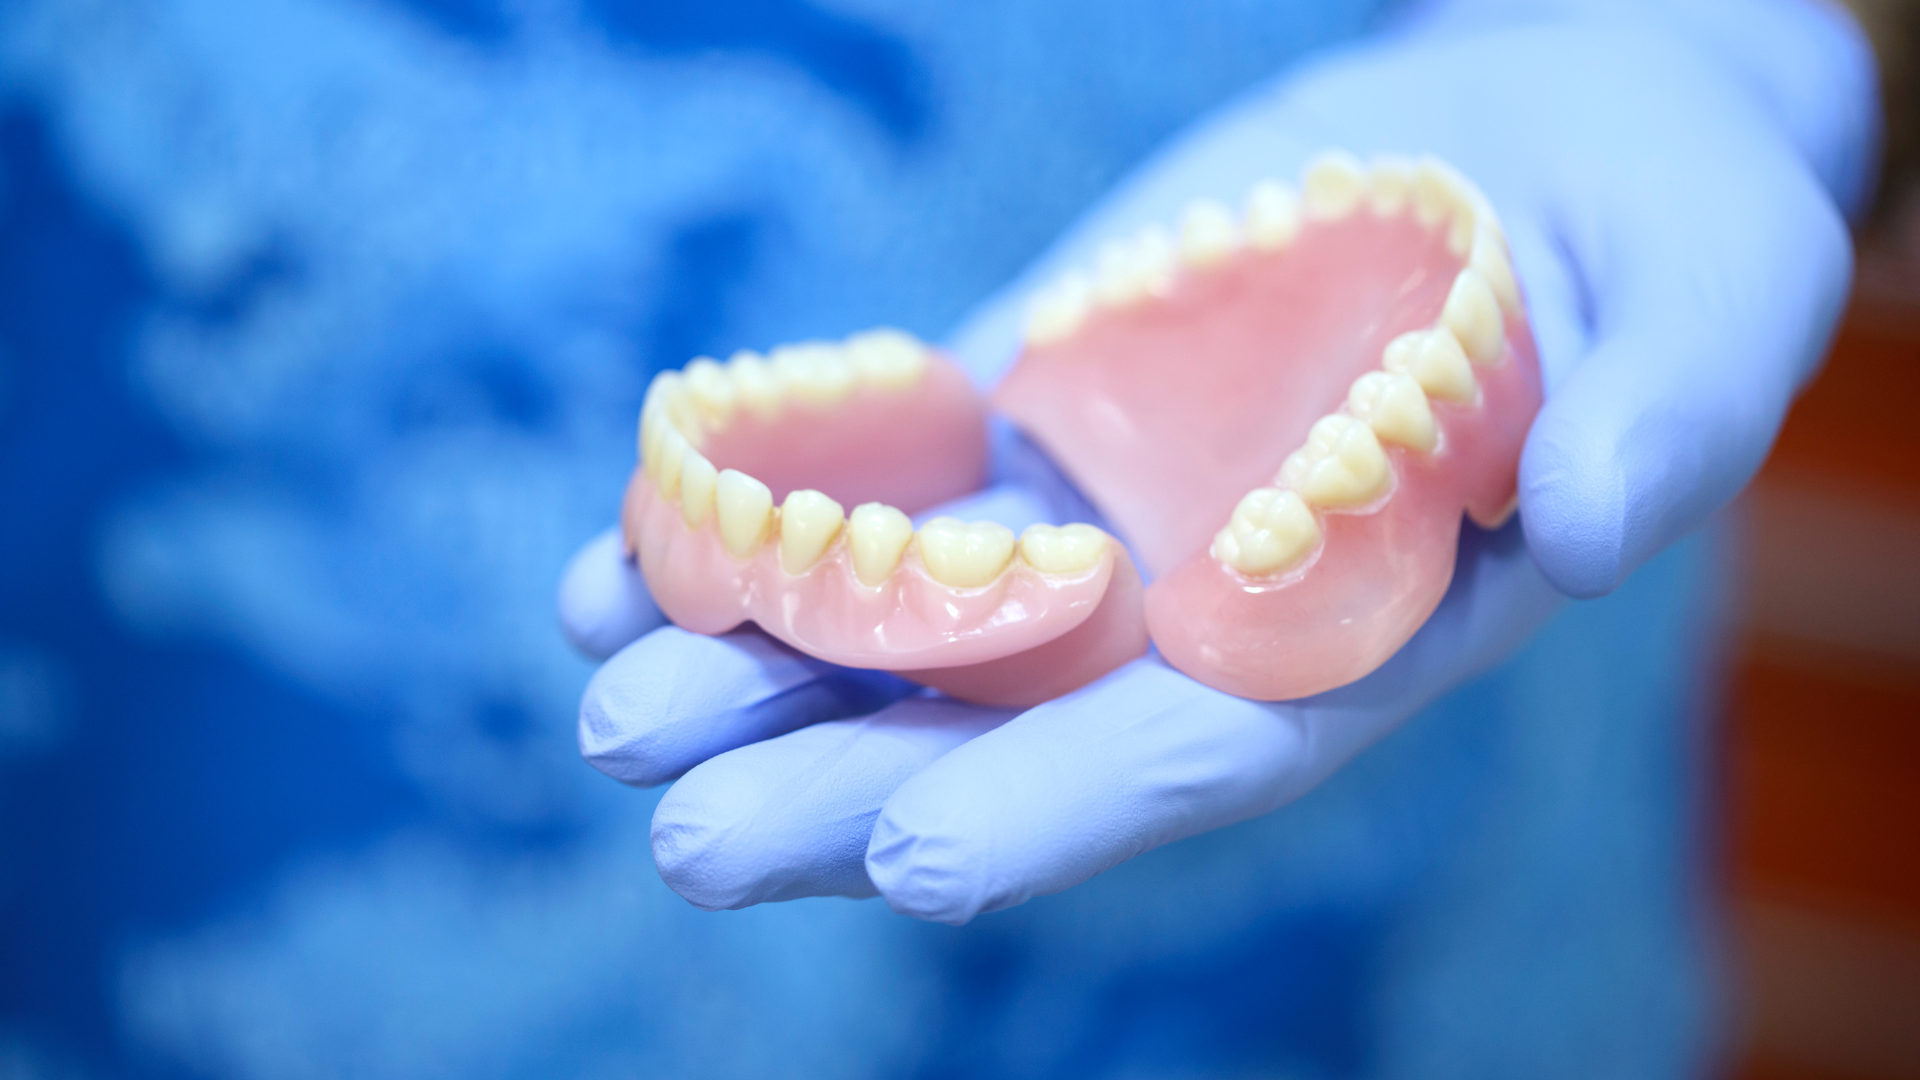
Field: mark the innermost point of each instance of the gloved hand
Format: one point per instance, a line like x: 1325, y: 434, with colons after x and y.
x: 1672, y: 180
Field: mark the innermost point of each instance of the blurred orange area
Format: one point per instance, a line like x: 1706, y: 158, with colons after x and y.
x: 1823, y: 766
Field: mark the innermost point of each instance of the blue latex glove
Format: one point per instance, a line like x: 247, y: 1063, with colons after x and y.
x: 1673, y: 181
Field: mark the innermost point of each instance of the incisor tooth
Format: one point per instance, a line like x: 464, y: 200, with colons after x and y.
x: 1473, y: 314
x: 712, y: 392
x: 650, y: 424
x: 1435, y: 360
x: 1270, y: 531
x: 1490, y: 258
x: 1390, y: 185
x: 696, y: 489
x: 888, y: 358
x: 965, y: 556
x: 814, y: 371
x: 1134, y: 268
x: 1272, y: 215
x: 877, y: 535
x: 1207, y: 232
x: 673, y: 451
x: 1067, y: 549
x: 1057, y: 310
x: 744, y: 508
x: 758, y: 385
x: 1433, y: 192
x: 809, y: 521
x: 1395, y: 408
x: 1341, y: 465
x: 1333, y: 186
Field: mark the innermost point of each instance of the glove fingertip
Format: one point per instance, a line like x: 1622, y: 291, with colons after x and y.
x: 603, y: 603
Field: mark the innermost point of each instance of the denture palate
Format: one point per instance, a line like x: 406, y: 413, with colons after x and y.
x: 1288, y: 410
x: 738, y: 512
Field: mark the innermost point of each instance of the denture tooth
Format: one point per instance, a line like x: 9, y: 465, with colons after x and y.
x: 1472, y: 313
x: 1433, y: 192
x: 744, y: 508
x: 1490, y: 258
x: 877, y: 536
x: 1342, y: 464
x: 1130, y: 270
x: 1270, y: 531
x: 673, y: 452
x: 697, y: 480
x: 1435, y: 360
x: 1207, y: 232
x: 1065, y: 549
x: 962, y: 555
x: 1395, y: 408
x: 1333, y: 186
x: 809, y: 522
x: 711, y: 391
x: 1272, y: 215
x: 815, y: 371
x: 1390, y: 185
x: 1057, y: 310
x: 758, y: 385
x: 650, y: 424
x: 887, y: 358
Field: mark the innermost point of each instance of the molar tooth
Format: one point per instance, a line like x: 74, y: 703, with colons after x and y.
x: 1207, y: 232
x: 1395, y: 408
x: 809, y: 522
x: 1057, y: 310
x: 759, y: 386
x: 965, y: 556
x: 711, y: 391
x: 1341, y: 465
x: 1272, y: 215
x: 1270, y: 531
x: 697, y: 480
x: 815, y: 371
x: 877, y: 535
x: 1333, y: 186
x: 744, y: 507
x: 1068, y: 549
x: 1472, y: 313
x: 1435, y: 360
x: 887, y: 358
x: 673, y: 451
x: 1390, y: 185
x: 1490, y: 258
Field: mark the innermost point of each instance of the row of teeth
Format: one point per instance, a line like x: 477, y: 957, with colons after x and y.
x: 807, y: 524
x: 1335, y: 185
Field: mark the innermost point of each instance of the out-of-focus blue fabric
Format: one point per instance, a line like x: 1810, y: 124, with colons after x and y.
x: 322, y: 332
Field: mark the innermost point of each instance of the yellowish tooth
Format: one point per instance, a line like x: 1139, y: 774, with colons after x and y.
x: 673, y: 451
x: 816, y: 372
x: 758, y: 385
x: 1390, y: 185
x: 1435, y: 360
x: 1341, y: 465
x: 962, y: 555
x: 1433, y: 192
x: 1207, y: 232
x: 1490, y: 258
x: 1272, y: 215
x: 1067, y: 549
x: 1057, y: 310
x: 1395, y: 408
x: 711, y: 391
x: 1132, y: 269
x: 877, y: 535
x: 809, y: 522
x: 1472, y: 313
x: 1270, y: 531
x: 650, y: 425
x: 1333, y: 186
x: 887, y: 358
x: 696, y: 489
x: 744, y: 508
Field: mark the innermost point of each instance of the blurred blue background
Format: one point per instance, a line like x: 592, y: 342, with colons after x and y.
x: 323, y: 327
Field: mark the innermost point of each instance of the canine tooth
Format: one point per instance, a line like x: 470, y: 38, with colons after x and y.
x: 759, y: 386
x: 814, y: 371
x: 710, y: 389
x: 1270, y: 531
x: 1395, y: 408
x: 1207, y: 232
x: 1473, y: 314
x: 1272, y: 215
x: 877, y: 536
x: 1390, y: 185
x: 1490, y: 258
x: 1057, y: 310
x: 962, y: 555
x: 887, y: 358
x: 697, y: 480
x: 1435, y: 360
x: 809, y: 522
x: 1067, y: 549
x: 1333, y: 186
x: 1131, y: 269
x: 1341, y: 465
x: 744, y: 508
x: 673, y: 451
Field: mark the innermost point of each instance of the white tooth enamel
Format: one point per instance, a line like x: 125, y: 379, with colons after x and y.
x: 1390, y: 185
x: 965, y: 556
x: 1490, y: 258
x: 1132, y: 269
x: 1395, y: 408
x: 1435, y: 360
x: 877, y: 536
x: 1333, y: 186
x: 711, y: 391
x: 744, y: 508
x: 815, y: 371
x: 1473, y: 314
x: 1342, y: 464
x: 673, y: 451
x: 887, y: 358
x: 1270, y: 531
x: 696, y: 489
x: 758, y: 385
x: 1433, y: 192
x: 809, y: 522
x: 1272, y: 215
x: 1207, y: 232
x: 1067, y: 549
x: 1057, y: 310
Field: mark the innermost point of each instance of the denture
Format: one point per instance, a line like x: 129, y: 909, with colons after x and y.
x: 1285, y: 411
